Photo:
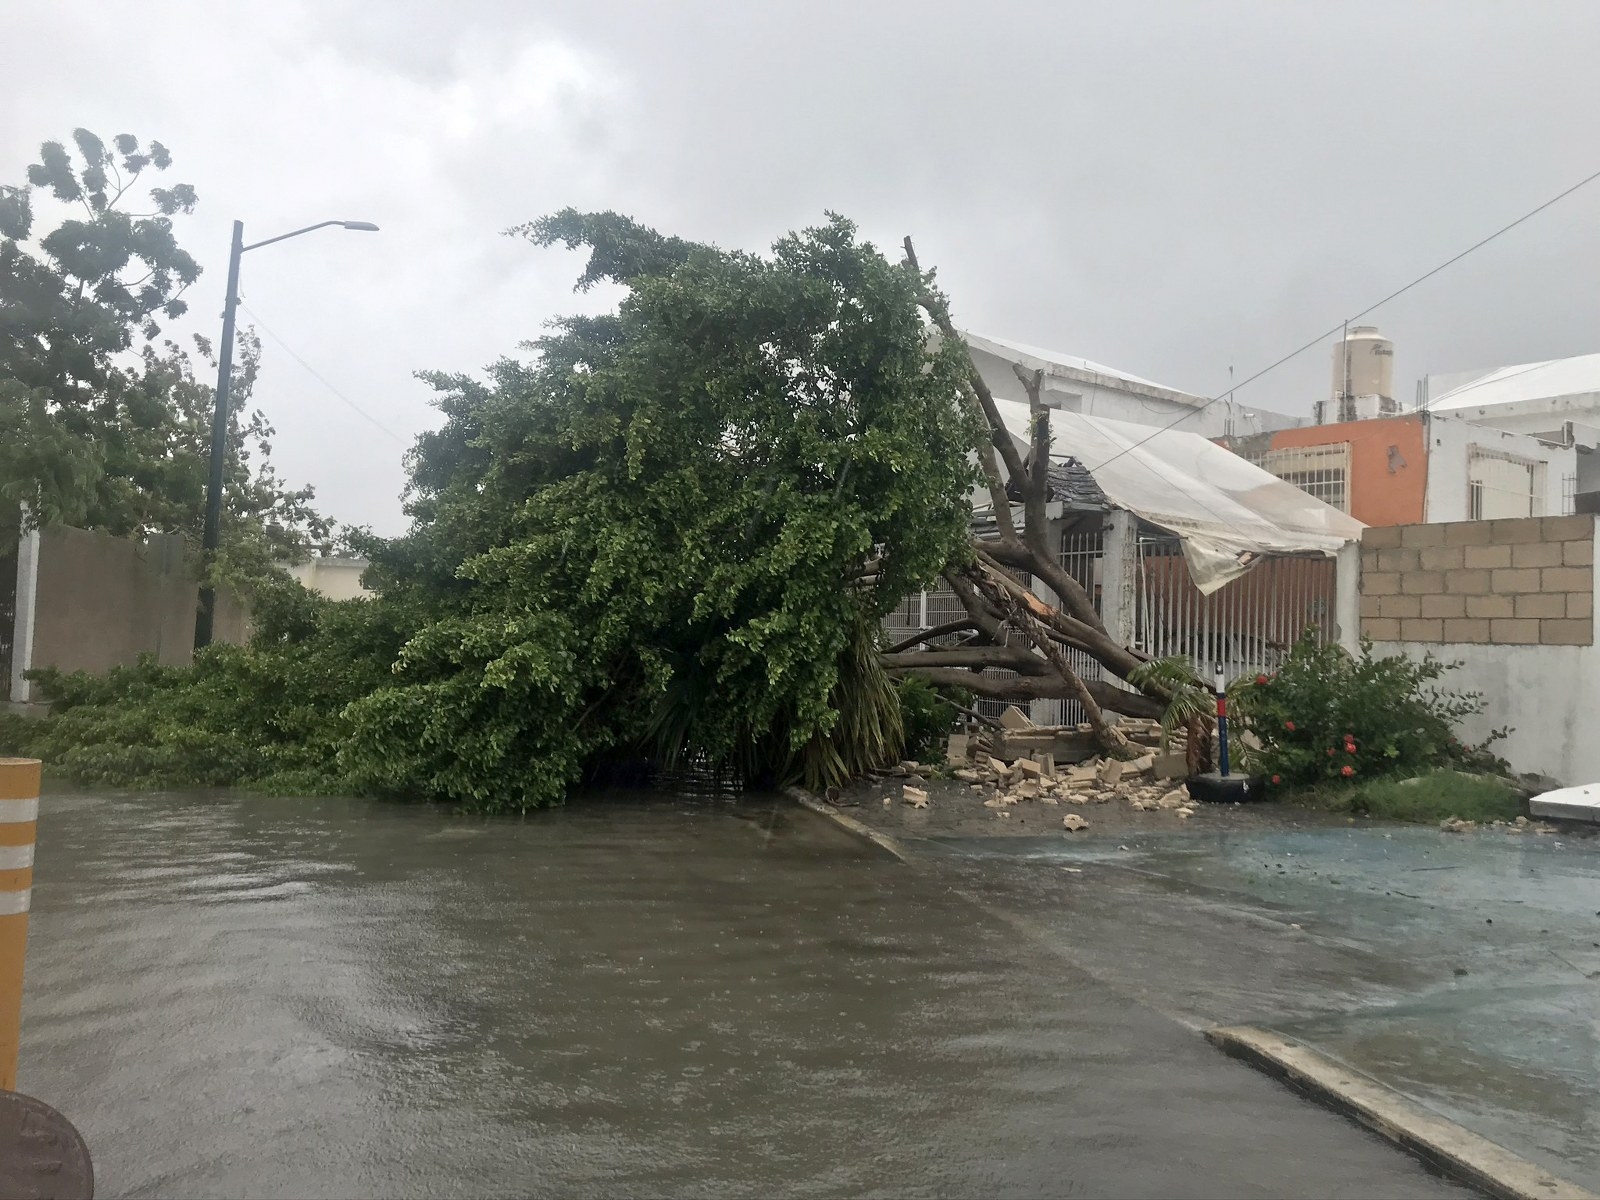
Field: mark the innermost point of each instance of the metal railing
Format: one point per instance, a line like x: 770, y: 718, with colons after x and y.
x: 1248, y: 625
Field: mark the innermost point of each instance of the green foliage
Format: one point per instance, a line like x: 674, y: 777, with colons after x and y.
x: 929, y: 716
x: 646, y: 537
x: 1438, y: 795
x: 1327, y: 715
x: 101, y: 424
x: 649, y: 538
x: 1188, y: 698
x: 1428, y: 798
x: 266, y: 716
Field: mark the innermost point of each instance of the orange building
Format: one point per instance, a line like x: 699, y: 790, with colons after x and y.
x: 1417, y: 467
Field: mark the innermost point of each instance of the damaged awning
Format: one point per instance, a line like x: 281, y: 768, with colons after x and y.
x: 1227, y: 512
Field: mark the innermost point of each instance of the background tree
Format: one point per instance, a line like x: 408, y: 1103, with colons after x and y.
x: 102, y: 422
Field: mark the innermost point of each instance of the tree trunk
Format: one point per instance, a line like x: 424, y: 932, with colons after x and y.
x: 1007, y: 625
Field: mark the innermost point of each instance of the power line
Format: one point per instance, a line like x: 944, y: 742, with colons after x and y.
x: 317, y: 375
x: 1478, y: 245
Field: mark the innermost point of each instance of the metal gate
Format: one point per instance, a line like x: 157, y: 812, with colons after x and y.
x: 1083, y: 558
x: 8, y: 604
x: 1248, y: 625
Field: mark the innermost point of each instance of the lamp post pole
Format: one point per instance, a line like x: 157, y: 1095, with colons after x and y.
x: 205, y: 619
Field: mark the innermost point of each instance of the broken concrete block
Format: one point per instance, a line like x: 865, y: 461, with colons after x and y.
x: 914, y: 796
x: 1015, y: 718
x: 1111, y: 771
x: 956, y: 749
x: 1072, y: 823
x: 1140, y: 765
x: 967, y: 775
x: 1176, y: 798
x: 1171, y: 766
x: 1028, y: 767
x: 1026, y: 790
x: 998, y: 767
x: 1186, y: 812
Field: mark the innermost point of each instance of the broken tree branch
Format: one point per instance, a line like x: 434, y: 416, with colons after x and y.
x: 999, y: 439
x: 927, y: 635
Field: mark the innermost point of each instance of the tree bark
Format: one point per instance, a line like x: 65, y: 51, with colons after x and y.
x: 1013, y: 628
x: 1038, y: 687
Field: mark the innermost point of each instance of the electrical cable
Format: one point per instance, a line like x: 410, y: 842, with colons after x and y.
x: 317, y: 375
x: 1321, y: 337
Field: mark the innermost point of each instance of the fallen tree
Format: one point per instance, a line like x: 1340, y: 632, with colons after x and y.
x: 1007, y: 626
x: 671, y: 533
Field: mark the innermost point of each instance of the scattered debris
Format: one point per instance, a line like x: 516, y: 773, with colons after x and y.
x: 1457, y: 825
x: 1055, y: 764
x: 1072, y: 823
x: 955, y: 749
x: 914, y: 796
x: 1015, y: 718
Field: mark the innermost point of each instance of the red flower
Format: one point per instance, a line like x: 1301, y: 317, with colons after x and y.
x: 1261, y: 680
x: 1347, y: 771
x: 1289, y: 725
x: 1277, y: 779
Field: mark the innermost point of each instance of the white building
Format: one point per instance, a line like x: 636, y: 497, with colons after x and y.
x: 1556, y: 401
x: 1077, y: 385
x: 336, y: 577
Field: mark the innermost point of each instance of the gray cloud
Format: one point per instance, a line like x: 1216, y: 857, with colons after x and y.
x: 1167, y: 188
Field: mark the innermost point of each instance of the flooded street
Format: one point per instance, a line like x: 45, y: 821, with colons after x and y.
x: 268, y: 997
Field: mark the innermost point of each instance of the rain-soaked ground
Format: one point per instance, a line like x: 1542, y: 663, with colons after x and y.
x: 244, y: 996
x: 1460, y: 969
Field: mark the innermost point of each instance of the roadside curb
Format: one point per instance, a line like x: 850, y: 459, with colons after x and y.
x: 1439, y: 1142
x: 823, y: 809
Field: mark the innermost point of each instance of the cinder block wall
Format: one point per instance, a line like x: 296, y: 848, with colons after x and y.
x: 1527, y: 582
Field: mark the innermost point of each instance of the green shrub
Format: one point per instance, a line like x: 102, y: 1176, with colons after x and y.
x: 1436, y: 796
x: 1326, y: 715
x: 929, y: 715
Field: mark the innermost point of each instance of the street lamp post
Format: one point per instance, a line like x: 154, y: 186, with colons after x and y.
x: 206, y: 618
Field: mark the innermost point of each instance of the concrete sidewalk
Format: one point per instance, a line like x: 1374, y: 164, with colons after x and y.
x: 1462, y: 970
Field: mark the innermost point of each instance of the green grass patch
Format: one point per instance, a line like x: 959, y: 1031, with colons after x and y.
x: 1426, y: 798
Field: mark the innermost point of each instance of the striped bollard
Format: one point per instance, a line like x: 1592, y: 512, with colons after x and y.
x: 19, y: 814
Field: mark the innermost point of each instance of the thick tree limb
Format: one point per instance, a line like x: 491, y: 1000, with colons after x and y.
x: 1037, y: 687
x: 972, y: 658
x: 999, y: 438
x: 1037, y: 493
x: 928, y: 635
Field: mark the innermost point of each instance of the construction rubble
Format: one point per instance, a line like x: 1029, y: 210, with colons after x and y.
x: 1023, y: 763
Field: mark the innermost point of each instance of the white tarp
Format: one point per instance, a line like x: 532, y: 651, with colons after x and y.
x: 1228, y: 512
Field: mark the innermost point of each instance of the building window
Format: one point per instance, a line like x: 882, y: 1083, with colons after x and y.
x: 1500, y: 485
x: 1320, y: 471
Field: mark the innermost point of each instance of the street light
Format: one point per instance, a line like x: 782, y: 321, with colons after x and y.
x: 219, y: 417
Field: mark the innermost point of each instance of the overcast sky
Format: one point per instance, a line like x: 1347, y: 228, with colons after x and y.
x: 1169, y: 189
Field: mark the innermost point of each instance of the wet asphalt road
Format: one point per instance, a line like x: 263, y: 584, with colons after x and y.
x: 238, y: 996
x: 1462, y: 970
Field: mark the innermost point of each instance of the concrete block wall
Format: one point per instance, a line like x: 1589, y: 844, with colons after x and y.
x: 88, y: 602
x: 1524, y: 582
x: 1511, y: 604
